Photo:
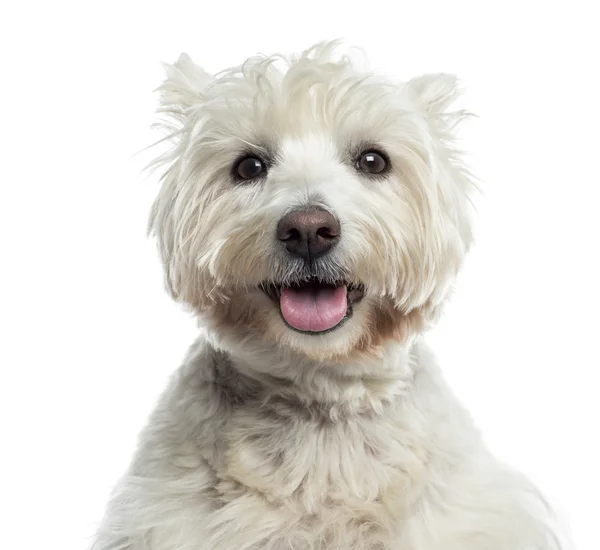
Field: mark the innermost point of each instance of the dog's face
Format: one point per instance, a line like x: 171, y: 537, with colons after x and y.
x: 312, y: 205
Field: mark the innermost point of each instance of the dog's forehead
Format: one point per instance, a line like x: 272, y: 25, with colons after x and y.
x: 303, y: 100
x: 308, y: 149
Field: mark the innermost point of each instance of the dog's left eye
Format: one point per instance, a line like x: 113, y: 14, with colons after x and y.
x: 371, y: 162
x: 250, y: 168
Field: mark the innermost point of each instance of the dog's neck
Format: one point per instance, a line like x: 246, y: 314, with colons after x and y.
x: 334, y: 390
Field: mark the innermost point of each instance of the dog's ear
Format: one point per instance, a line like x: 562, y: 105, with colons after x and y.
x: 185, y: 84
x: 434, y: 93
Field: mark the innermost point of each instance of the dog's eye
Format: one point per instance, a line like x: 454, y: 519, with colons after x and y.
x: 371, y: 162
x: 250, y: 168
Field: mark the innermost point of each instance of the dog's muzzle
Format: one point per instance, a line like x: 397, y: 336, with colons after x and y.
x: 318, y: 298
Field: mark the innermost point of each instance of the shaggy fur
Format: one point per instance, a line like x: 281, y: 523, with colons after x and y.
x: 272, y: 439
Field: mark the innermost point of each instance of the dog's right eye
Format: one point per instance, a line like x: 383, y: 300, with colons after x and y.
x: 250, y: 168
x: 372, y: 162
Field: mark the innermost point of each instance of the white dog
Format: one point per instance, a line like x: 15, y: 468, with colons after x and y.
x: 315, y: 216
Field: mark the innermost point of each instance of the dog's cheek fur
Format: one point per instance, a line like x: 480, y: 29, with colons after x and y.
x: 386, y: 323
x: 196, y: 222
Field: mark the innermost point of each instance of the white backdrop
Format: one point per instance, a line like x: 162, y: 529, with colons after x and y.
x: 88, y: 336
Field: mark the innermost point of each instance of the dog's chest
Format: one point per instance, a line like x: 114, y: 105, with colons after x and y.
x: 356, y: 474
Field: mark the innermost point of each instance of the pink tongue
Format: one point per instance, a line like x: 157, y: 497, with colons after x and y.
x: 313, y: 309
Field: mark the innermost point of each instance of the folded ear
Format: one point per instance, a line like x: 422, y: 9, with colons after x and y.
x: 434, y: 93
x: 184, y: 85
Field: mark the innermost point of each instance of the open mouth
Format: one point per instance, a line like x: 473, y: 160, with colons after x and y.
x: 313, y: 306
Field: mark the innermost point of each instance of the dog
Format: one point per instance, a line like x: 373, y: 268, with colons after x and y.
x: 315, y: 216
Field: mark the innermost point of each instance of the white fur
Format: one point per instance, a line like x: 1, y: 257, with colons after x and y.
x: 273, y: 440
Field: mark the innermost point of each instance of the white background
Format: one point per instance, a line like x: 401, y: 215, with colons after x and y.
x: 88, y: 335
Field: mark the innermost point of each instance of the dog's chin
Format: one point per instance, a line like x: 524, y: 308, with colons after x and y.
x: 314, y: 307
x: 350, y: 324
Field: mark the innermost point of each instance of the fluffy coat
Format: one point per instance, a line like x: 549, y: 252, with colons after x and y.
x: 268, y: 438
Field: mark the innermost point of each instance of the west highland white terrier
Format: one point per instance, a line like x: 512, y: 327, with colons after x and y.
x: 314, y: 215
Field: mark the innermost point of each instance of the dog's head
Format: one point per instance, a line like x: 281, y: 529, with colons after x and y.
x: 309, y: 203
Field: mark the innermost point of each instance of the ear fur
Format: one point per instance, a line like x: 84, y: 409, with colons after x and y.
x: 434, y: 93
x: 184, y: 85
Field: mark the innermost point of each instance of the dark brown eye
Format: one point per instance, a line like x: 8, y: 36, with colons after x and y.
x: 250, y: 168
x: 371, y: 162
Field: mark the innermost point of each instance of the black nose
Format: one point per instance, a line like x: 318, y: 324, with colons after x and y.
x: 308, y: 234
